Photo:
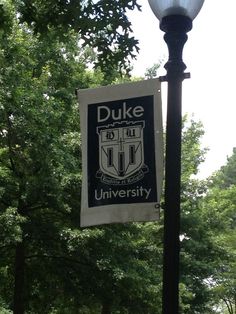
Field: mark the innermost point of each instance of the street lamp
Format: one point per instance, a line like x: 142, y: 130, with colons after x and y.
x: 176, y: 18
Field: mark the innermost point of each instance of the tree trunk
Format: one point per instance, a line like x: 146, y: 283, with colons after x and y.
x: 18, y: 306
x: 106, y: 308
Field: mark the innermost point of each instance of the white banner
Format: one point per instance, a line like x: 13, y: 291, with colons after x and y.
x: 122, y: 152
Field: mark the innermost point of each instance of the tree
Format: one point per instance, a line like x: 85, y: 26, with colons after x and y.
x: 153, y: 70
x: 198, y: 251
x: 48, y: 264
x: 46, y: 259
x: 40, y: 145
x: 219, y: 205
x: 225, y: 177
x: 40, y: 179
x: 103, y: 25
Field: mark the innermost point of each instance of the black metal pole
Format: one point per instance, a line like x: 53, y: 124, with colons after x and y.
x: 175, y: 28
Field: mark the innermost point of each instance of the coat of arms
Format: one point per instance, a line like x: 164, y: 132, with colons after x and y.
x: 121, y: 152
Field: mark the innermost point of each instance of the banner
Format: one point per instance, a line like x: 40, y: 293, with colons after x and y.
x: 122, y: 152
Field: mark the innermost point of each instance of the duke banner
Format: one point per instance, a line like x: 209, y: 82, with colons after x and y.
x: 122, y: 152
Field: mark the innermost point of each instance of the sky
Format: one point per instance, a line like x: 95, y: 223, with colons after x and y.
x: 210, y: 57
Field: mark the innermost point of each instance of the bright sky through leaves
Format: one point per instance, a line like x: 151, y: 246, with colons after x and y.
x: 210, y: 58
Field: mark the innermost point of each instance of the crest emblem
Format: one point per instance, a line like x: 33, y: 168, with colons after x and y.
x: 121, y: 152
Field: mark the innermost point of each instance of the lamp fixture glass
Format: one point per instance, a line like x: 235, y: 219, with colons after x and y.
x: 189, y: 8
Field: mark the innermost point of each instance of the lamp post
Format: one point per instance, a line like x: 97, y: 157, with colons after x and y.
x: 176, y: 18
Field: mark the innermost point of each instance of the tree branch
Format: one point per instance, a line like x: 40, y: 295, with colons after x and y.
x: 64, y: 258
x: 9, y: 144
x: 229, y: 306
x: 4, y: 203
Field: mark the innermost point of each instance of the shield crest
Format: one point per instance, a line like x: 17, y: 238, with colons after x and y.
x: 121, y: 149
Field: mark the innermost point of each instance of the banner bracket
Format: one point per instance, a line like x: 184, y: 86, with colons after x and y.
x: 165, y: 77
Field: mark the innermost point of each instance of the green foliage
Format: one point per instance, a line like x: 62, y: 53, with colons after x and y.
x: 63, y: 268
x: 118, y: 260
x: 102, y: 25
x: 152, y: 71
x: 193, y: 154
x: 6, y: 14
x: 198, y: 253
x: 10, y: 231
x: 220, y: 214
x: 40, y: 167
x: 226, y: 176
